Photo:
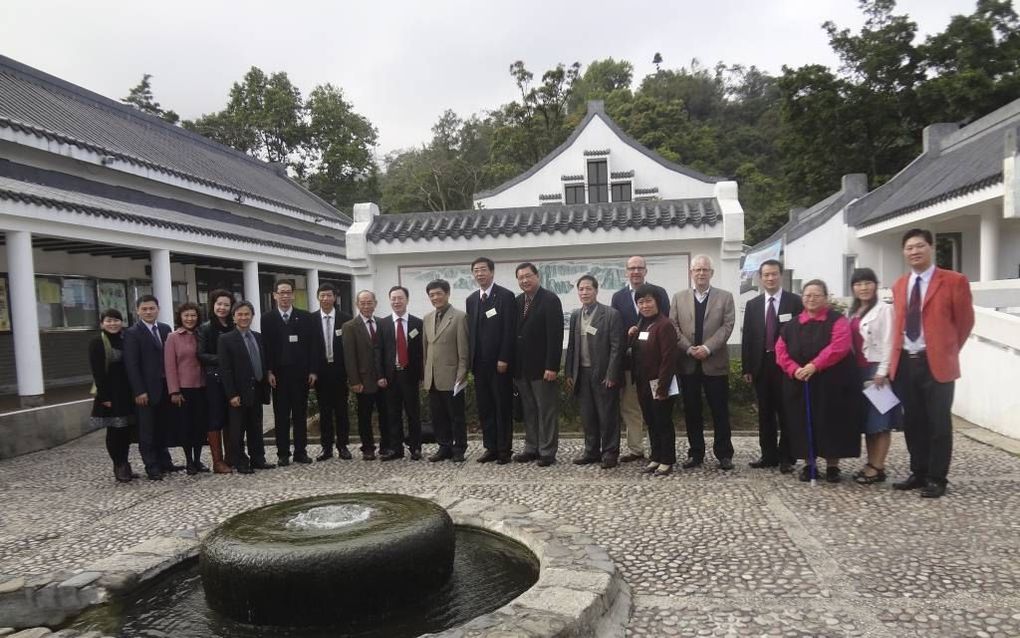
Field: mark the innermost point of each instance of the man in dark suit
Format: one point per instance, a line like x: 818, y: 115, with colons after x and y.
x: 143, y: 360
x: 623, y: 302
x: 446, y: 366
x: 539, y: 320
x: 363, y: 363
x: 491, y: 310
x: 594, y: 370
x: 400, y: 349
x: 292, y: 339
x: 933, y: 317
x: 331, y: 384
x: 243, y: 372
x: 764, y: 316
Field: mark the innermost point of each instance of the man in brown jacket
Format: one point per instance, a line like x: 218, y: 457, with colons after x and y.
x: 704, y: 317
x: 361, y: 358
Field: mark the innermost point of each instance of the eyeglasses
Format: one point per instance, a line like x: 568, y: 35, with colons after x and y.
x: 636, y: 268
x: 813, y: 296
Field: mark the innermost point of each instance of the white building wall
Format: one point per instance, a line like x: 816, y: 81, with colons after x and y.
x: 819, y: 255
x: 622, y: 157
x: 990, y: 365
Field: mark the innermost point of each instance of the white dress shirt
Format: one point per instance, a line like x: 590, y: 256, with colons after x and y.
x: 925, y: 277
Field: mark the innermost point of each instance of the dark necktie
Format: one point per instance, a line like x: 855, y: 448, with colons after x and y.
x: 253, y: 354
x: 371, y: 330
x: 402, y: 357
x: 286, y: 317
x: 439, y: 319
x: 914, y: 311
x: 771, y: 326
x: 328, y: 337
x: 527, y: 305
x: 156, y: 336
x: 485, y: 297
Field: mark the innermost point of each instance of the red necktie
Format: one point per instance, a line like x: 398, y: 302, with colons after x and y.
x: 403, y: 359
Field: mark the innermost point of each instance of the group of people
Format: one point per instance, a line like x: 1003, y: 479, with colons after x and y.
x: 625, y: 364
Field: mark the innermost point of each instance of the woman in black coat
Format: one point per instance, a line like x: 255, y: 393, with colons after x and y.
x: 114, y: 404
x: 220, y: 322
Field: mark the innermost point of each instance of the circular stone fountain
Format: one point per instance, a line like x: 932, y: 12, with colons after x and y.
x: 315, y: 560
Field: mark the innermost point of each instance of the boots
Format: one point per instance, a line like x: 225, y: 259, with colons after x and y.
x: 216, y: 448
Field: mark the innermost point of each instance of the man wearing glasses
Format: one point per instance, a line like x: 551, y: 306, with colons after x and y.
x: 623, y: 302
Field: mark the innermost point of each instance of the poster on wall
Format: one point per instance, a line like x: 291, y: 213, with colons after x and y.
x: 672, y: 272
x: 113, y: 294
x: 5, y: 307
x: 752, y: 261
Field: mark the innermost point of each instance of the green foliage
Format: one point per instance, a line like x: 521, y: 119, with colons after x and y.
x: 140, y: 97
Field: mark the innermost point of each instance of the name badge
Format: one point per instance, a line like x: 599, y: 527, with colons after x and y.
x: 339, y: 332
x: 293, y: 338
x: 413, y: 334
x: 490, y: 313
x: 785, y: 317
x: 643, y: 336
x: 592, y: 330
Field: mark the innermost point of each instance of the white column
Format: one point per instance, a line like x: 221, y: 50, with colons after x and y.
x: 312, y: 284
x: 162, y: 285
x: 24, y: 317
x: 989, y: 245
x: 251, y: 291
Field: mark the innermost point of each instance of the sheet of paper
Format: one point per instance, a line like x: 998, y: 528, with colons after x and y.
x: 458, y: 387
x: 674, y: 388
x: 884, y: 399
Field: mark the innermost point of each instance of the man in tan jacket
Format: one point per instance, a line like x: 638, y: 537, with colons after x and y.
x: 446, y: 365
x: 703, y: 317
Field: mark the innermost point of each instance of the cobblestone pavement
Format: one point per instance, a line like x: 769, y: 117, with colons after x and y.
x: 706, y: 553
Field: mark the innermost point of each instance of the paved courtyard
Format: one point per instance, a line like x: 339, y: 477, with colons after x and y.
x: 706, y: 553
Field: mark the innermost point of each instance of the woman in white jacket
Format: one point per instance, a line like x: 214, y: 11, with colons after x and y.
x: 871, y: 325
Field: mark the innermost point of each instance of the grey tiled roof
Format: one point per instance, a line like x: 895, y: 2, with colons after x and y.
x: 543, y: 220
x: 596, y: 108
x: 804, y: 221
x: 967, y: 160
x: 45, y: 106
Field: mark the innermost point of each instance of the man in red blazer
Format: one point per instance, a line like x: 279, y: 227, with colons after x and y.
x: 934, y: 315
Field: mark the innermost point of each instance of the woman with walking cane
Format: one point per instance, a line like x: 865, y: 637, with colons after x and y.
x: 821, y: 393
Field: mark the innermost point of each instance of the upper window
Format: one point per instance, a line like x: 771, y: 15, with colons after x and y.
x: 598, y: 182
x: 621, y: 192
x: 573, y: 194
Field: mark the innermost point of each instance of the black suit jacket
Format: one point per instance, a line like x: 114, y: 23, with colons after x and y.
x: 300, y: 355
x: 320, y: 364
x: 143, y: 360
x: 752, y: 339
x: 236, y: 373
x: 491, y: 338
x: 539, y: 336
x: 388, y: 346
x: 623, y: 301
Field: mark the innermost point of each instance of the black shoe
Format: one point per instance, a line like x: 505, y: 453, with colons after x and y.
x: 261, y: 464
x: 585, y: 460
x: 934, y: 489
x: 692, y: 462
x: 441, y: 455
x: 525, y: 457
x: 913, y: 482
x: 545, y: 461
x: 609, y: 462
x: 415, y: 454
x: 325, y: 455
x: 191, y: 470
x: 458, y: 457
x: 122, y: 473
x: 726, y: 464
x: 245, y: 468
x: 503, y: 459
x: 785, y: 467
x: 631, y: 457
x: 487, y: 457
x: 390, y: 456
x: 154, y: 476
x: 173, y: 468
x: 283, y: 461
x: 201, y: 467
x: 763, y: 463
x: 302, y: 458
x: 805, y: 473
x: 367, y: 456
x: 344, y: 453
x: 832, y: 475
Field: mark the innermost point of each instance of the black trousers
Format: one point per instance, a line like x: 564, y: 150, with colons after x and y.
x: 152, y: 425
x: 334, y: 422
x: 768, y: 389
x: 717, y: 392
x: 366, y: 404
x: 448, y: 420
x: 494, y: 393
x: 658, y: 417
x: 928, y: 423
x: 600, y: 416
x: 402, y: 398
x: 118, y: 442
x: 243, y: 423
x: 290, y: 410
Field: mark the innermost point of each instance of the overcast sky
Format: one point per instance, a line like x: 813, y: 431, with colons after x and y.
x: 402, y: 63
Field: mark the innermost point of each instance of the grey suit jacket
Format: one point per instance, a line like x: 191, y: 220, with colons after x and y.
x: 605, y: 346
x: 447, y: 349
x: 720, y: 316
x: 361, y: 356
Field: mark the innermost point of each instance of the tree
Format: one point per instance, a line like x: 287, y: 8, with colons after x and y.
x: 600, y: 79
x: 140, y: 97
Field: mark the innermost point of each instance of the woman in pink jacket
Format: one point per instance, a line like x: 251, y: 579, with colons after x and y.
x: 186, y: 384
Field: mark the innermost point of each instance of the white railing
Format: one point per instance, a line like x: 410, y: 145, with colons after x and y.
x: 986, y: 393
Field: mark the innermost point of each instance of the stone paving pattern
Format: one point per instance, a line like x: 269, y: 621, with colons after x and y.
x: 704, y: 552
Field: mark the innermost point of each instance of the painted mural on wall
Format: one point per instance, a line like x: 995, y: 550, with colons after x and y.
x: 558, y: 275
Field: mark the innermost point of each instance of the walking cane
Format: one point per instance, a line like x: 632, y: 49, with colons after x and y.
x: 812, y: 469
